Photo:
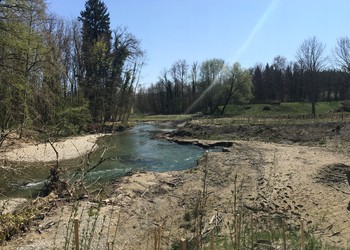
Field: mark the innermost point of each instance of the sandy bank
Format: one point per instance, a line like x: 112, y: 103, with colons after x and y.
x: 69, y: 148
x: 292, y: 181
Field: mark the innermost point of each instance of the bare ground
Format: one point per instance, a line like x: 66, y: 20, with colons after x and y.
x: 30, y: 151
x: 292, y: 181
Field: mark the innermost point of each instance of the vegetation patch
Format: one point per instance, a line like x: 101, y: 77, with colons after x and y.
x: 21, y: 219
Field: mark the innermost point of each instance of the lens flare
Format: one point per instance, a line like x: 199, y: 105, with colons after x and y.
x: 256, y: 28
x: 270, y: 8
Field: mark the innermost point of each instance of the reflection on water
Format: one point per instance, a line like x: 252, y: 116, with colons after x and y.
x: 131, y: 150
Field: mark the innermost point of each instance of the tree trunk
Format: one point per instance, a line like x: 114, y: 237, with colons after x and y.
x: 228, y: 96
x: 313, y: 108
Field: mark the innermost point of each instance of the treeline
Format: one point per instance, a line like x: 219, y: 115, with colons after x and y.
x: 312, y: 77
x: 60, y: 74
x: 280, y: 82
x: 206, y: 87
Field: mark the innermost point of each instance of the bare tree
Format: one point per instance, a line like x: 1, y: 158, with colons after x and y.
x: 311, y: 58
x: 179, y: 73
x: 341, y: 54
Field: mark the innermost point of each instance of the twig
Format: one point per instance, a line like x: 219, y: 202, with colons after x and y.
x: 102, y: 160
x: 56, y: 152
x: 338, y: 189
x: 143, y: 194
x: 94, y: 182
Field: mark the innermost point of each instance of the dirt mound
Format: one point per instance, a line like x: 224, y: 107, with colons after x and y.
x: 302, y: 133
x: 335, y: 175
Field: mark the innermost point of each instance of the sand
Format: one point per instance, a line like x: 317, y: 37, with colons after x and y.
x: 70, y: 148
x: 285, y: 178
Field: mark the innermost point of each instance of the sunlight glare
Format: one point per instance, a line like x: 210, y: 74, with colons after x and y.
x: 271, y: 7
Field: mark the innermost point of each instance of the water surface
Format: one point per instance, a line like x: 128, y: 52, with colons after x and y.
x: 133, y: 149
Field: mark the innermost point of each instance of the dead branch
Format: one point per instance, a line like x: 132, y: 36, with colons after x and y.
x: 101, y: 160
x: 56, y: 152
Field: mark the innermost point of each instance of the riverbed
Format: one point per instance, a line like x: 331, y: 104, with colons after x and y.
x: 131, y: 150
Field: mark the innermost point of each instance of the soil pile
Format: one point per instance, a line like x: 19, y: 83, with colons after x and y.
x: 301, y: 133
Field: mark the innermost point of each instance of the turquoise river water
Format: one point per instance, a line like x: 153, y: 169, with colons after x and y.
x: 133, y: 149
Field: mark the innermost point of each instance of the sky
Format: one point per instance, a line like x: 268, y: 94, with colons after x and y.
x: 244, y: 31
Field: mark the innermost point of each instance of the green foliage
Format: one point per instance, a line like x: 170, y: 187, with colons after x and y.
x: 19, y: 221
x: 237, y: 86
x: 96, y: 23
x: 23, y: 47
x: 109, y: 72
x: 96, y: 46
x: 32, y: 95
x: 74, y: 120
x: 211, y: 79
x: 242, y: 84
x: 56, y: 76
x: 12, y: 224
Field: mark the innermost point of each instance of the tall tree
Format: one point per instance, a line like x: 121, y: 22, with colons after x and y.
x: 342, y: 54
x: 194, y: 79
x: 279, y: 65
x: 259, y: 89
x: 23, y: 50
x: 290, y: 86
x: 127, y: 62
x: 96, y: 45
x: 179, y: 74
x: 311, y: 58
x: 268, y: 83
x: 342, y: 60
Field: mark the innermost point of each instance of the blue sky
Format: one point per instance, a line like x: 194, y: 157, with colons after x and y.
x: 247, y: 31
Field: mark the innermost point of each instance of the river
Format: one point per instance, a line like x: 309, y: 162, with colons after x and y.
x: 133, y: 149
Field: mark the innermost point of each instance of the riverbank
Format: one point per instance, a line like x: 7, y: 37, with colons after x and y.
x: 284, y: 181
x: 67, y: 148
x: 287, y: 181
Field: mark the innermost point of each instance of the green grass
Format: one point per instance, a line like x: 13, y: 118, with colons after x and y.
x: 254, y: 110
x: 295, y: 108
x: 295, y: 112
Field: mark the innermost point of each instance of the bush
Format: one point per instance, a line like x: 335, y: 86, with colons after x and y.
x: 74, y: 120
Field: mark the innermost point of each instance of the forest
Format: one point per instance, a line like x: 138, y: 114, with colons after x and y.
x: 61, y: 76
x: 256, y: 180
x: 313, y: 77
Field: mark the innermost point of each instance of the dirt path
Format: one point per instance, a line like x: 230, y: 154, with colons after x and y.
x: 293, y: 181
